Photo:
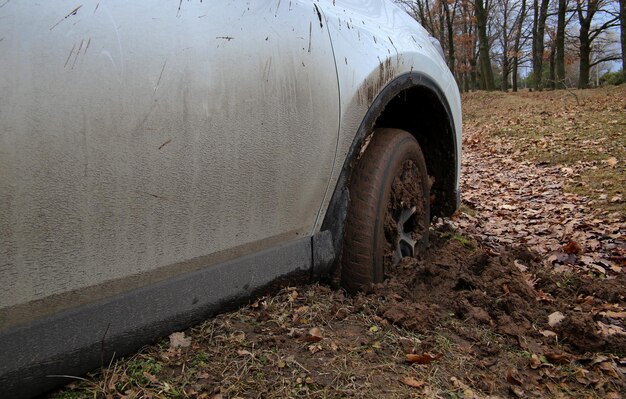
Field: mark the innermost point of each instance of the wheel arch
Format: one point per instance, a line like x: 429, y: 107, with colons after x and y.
x: 413, y: 102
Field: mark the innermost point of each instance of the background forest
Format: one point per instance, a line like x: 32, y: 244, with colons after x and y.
x: 540, y: 44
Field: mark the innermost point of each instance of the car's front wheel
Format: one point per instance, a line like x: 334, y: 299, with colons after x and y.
x: 389, y: 212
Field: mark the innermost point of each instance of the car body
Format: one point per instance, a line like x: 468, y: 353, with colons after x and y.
x: 160, y: 159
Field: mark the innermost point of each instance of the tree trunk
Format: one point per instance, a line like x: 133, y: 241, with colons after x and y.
x: 585, y: 41
x: 585, y: 54
x: 552, y: 71
x: 514, y: 77
x: 622, y: 18
x: 539, y: 25
x: 484, y: 60
x: 560, y: 45
x: 505, y: 47
x: 505, y: 70
x: 450, y: 38
x: 473, y: 77
x: 518, y: 37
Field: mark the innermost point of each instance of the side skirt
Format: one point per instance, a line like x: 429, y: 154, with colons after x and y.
x: 33, y: 357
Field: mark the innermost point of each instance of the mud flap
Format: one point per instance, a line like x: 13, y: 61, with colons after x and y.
x: 323, y: 253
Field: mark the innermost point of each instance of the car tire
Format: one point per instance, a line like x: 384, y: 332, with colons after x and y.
x: 389, y: 212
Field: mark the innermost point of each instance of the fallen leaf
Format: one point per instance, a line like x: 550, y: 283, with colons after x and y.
x: 555, y: 318
x: 612, y: 162
x: 505, y: 289
x: 517, y: 391
x: 468, y: 393
x: 512, y: 377
x: 558, y: 358
x: 614, y: 315
x: 315, y: 335
x: 610, y: 329
x: 544, y: 297
x: 412, y: 382
x: 314, y: 348
x: 608, y: 369
x: 572, y: 247
x: 535, y: 362
x: 582, y: 377
x: 548, y: 333
x: 178, y: 340
x: 421, y: 359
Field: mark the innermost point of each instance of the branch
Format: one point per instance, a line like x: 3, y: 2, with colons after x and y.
x: 612, y: 57
x: 594, y: 32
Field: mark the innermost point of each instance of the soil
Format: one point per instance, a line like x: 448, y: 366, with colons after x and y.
x: 510, y: 293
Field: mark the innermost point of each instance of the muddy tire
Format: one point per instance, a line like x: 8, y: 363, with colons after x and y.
x: 389, y: 211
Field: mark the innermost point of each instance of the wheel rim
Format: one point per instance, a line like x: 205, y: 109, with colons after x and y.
x: 406, y: 245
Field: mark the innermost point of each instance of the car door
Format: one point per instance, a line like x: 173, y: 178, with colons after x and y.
x: 142, y: 140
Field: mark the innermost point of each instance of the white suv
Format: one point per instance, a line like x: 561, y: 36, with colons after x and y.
x: 162, y: 158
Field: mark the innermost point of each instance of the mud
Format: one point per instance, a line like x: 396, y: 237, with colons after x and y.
x: 406, y: 193
x: 511, y: 293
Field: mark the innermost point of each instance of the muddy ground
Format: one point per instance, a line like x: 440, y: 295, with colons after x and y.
x: 459, y: 322
x: 521, y: 294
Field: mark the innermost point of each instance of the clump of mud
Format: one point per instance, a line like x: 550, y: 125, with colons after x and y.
x: 510, y: 293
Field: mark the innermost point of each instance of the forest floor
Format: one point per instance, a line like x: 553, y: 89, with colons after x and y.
x: 521, y: 293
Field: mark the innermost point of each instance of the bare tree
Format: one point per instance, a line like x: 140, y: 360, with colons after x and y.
x: 508, y: 20
x: 484, y: 59
x: 519, y: 23
x: 586, y: 10
x: 540, y: 14
x: 467, y: 49
x: 560, y: 43
x: 437, y: 17
x: 450, y: 16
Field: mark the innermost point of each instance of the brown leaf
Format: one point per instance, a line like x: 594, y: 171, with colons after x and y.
x: 609, y: 369
x: 614, y: 315
x: 555, y: 318
x: 424, y: 358
x: 548, y: 333
x: 558, y: 358
x: 583, y: 378
x: 544, y: 297
x: 178, y: 340
x: 517, y: 391
x: 572, y: 247
x: 412, y: 382
x: 315, y: 335
x: 512, y: 377
x: 534, y: 361
x: 314, y: 348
